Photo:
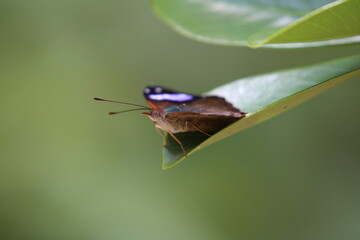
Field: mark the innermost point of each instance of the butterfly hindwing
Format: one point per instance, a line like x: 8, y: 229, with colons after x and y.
x: 210, y: 105
x: 207, y: 122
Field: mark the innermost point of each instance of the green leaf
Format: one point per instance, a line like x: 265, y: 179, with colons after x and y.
x: 338, y: 21
x: 280, y: 24
x: 266, y: 96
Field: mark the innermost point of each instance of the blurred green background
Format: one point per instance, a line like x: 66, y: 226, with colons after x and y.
x: 69, y: 171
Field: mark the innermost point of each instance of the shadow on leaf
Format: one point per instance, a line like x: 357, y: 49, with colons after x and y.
x: 172, y: 151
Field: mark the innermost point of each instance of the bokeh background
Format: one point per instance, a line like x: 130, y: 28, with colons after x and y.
x: 68, y: 171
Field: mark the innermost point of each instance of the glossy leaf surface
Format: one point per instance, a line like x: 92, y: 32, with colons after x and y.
x: 280, y: 24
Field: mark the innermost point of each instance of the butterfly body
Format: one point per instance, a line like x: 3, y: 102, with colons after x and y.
x: 176, y: 112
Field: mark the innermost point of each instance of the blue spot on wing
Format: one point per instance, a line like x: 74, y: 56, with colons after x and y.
x: 171, y: 109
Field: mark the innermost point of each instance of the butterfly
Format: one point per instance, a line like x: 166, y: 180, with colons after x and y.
x: 178, y: 112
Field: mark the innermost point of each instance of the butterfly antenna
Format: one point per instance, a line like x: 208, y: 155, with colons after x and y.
x: 132, y: 104
x: 130, y: 110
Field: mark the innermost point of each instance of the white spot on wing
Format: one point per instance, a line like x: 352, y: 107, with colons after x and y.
x: 158, y: 89
x: 176, y: 97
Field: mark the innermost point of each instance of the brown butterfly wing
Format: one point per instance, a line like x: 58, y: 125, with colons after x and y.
x: 208, y: 104
x: 200, y: 122
x: 209, y: 114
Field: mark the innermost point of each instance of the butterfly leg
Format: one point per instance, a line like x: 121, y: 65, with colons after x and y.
x: 178, y: 141
x: 199, y: 129
x: 158, y: 129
